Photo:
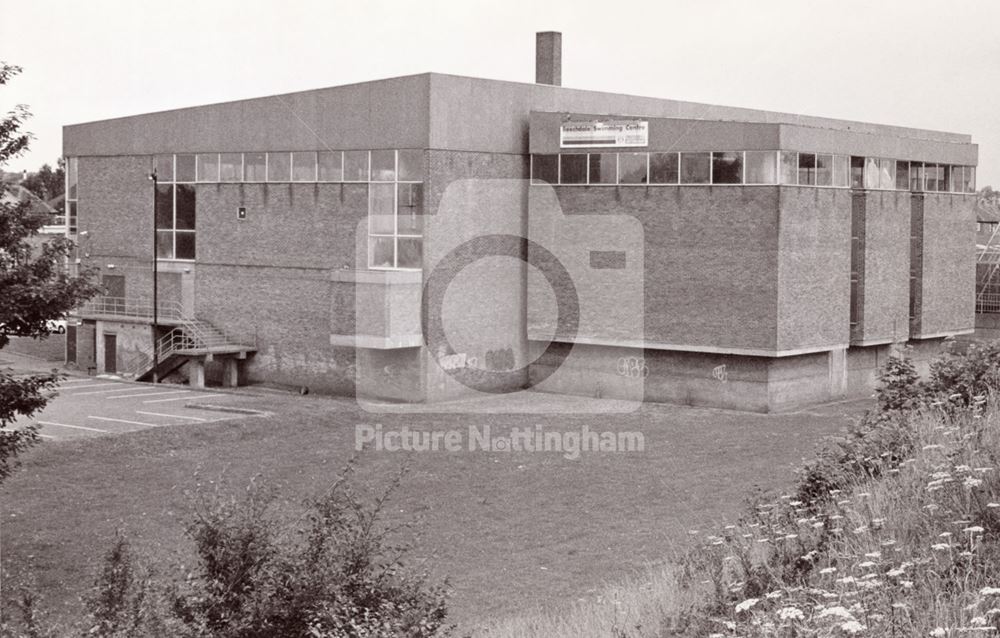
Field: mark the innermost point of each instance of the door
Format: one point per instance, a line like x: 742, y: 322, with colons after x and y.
x: 110, y: 354
x: 70, y: 344
x: 114, y: 292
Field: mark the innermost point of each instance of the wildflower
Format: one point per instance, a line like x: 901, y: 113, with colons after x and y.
x: 852, y: 627
x: 975, y: 529
x: 846, y: 580
x: 970, y: 482
x: 940, y: 546
x: 836, y: 611
x: 989, y: 591
x: 907, y: 584
x: 944, y: 534
x: 899, y: 571
x: 818, y: 524
x: 978, y: 621
x: 746, y: 604
x: 938, y: 632
x: 790, y: 613
x: 873, y: 555
x: 993, y: 505
x: 772, y: 595
x: 866, y: 564
x: 934, y: 446
x: 828, y: 570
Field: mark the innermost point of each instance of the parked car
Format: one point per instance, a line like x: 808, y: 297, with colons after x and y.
x: 56, y: 326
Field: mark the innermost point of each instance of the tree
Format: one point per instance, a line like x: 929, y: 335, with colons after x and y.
x: 34, y: 289
x: 45, y: 182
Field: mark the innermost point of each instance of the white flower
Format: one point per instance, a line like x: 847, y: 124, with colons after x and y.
x: 873, y: 555
x: 978, y: 621
x: 975, y: 529
x: 790, y: 613
x: 970, y: 482
x: 836, y: 611
x: 938, y: 632
x: 989, y: 591
x: 828, y: 570
x: 746, y: 604
x: 940, y: 546
x: 866, y: 564
x: 852, y: 627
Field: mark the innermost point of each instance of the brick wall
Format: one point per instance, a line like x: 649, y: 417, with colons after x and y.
x: 948, y: 282
x: 886, y: 282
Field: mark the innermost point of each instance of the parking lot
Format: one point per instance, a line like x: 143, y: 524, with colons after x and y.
x: 93, y: 406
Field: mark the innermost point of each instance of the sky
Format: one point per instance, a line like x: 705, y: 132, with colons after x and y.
x: 913, y: 63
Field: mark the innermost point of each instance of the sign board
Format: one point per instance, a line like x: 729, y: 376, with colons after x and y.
x: 606, y: 133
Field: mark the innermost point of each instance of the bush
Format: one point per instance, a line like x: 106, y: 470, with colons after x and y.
x: 332, y: 572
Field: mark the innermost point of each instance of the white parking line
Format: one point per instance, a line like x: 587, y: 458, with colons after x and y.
x: 65, y: 381
x: 203, y: 396
x: 75, y: 427
x: 92, y: 385
x: 118, y: 389
x: 149, y: 394
x: 171, y: 416
x: 106, y: 418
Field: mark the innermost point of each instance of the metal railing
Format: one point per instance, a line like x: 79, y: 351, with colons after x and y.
x: 191, y: 335
x: 131, y: 307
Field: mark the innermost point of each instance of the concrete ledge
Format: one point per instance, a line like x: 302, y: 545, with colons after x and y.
x: 949, y: 333
x: 383, y: 277
x: 656, y: 345
x: 377, y: 343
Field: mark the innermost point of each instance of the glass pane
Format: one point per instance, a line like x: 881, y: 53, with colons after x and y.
x: 696, y: 168
x: 916, y: 176
x: 727, y: 168
x: 164, y: 167
x: 871, y: 172
x: 185, y: 165
x: 632, y: 168
x: 383, y: 166
x: 409, y: 209
x: 254, y: 167
x: 381, y: 202
x: 185, y: 246
x: 824, y: 170
x: 857, y: 172
x: 957, y: 179
x: 380, y: 252
x: 944, y: 184
x: 304, y: 167
x: 355, y: 166
x: 573, y: 169
x: 185, y: 207
x: 411, y: 166
x: 231, y: 167
x: 807, y: 169
x: 887, y: 174
x: 902, y: 176
x: 165, y: 206
x: 208, y: 167
x: 72, y: 172
x: 970, y: 179
x: 663, y: 168
x: 761, y: 167
x: 841, y: 171
x: 930, y: 177
x: 331, y: 166
x: 71, y: 216
x: 603, y: 168
x: 789, y: 167
x: 410, y: 251
x: 545, y: 169
x: 165, y: 244
x: 279, y: 167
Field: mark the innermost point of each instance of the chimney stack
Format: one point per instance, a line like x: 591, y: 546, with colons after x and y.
x: 548, y: 58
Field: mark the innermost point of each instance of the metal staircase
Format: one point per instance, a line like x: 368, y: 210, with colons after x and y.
x: 987, y: 266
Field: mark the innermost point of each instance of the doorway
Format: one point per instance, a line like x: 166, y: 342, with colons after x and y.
x: 110, y: 353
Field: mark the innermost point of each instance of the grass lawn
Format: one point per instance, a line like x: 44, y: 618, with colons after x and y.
x: 512, y: 531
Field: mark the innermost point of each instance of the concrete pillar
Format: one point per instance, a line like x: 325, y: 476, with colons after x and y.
x: 196, y: 373
x: 230, y: 372
x: 838, y: 373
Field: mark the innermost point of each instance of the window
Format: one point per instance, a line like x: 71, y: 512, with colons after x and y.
x: 970, y: 179
x: 72, y: 193
x: 632, y: 168
x: 727, y: 168
x: 279, y: 167
x: 664, y: 168
x: 208, y: 167
x: 842, y: 171
x: 761, y: 167
x: 824, y: 170
x: 176, y: 203
x: 696, y: 168
x: 255, y: 167
x: 573, y: 169
x: 395, y: 211
x: 902, y: 176
x: 857, y: 172
x: 355, y: 166
x: 231, y: 167
x: 789, y: 168
x: 807, y: 169
x: 957, y: 179
x: 871, y: 173
x: 331, y: 166
x: 916, y: 176
x: 887, y: 174
x: 304, y: 167
x: 603, y: 168
x: 545, y: 169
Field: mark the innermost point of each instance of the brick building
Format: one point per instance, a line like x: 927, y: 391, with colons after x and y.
x: 717, y: 255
